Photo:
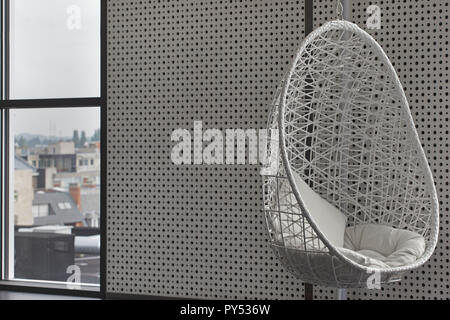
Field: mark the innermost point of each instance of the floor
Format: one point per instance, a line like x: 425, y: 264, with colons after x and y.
x: 9, y: 295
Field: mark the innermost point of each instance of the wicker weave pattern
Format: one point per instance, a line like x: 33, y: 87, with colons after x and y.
x: 346, y: 129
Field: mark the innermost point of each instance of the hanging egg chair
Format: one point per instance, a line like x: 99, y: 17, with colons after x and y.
x: 349, y: 198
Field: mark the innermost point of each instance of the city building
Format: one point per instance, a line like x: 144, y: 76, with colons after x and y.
x: 88, y: 161
x: 25, y: 180
x: 56, y: 208
x: 90, y: 205
x: 61, y: 147
x: 66, y: 158
x: 38, y: 203
x: 62, y: 162
x: 45, y: 179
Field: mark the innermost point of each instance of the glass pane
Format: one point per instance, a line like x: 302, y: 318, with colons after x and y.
x: 2, y: 90
x: 55, y: 202
x: 54, y: 49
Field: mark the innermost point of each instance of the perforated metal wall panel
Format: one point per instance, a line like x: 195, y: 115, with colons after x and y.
x: 192, y: 231
x: 415, y: 36
x: 198, y: 231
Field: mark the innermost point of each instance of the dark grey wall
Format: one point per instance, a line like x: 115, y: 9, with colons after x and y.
x: 198, y: 231
x: 415, y: 36
x: 191, y: 231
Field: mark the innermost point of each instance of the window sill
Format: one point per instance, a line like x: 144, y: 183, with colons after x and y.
x: 51, y: 288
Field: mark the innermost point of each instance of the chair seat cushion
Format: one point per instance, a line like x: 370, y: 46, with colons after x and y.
x: 380, y: 246
x: 329, y: 219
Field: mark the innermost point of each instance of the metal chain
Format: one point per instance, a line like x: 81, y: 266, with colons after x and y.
x: 340, y: 10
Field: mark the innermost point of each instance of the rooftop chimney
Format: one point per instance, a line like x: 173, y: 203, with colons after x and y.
x: 75, y: 192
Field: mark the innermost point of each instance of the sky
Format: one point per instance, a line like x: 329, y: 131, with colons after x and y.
x: 52, y: 56
x: 58, y: 122
x: 55, y: 53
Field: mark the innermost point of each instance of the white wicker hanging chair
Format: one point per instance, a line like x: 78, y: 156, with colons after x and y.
x: 349, y: 165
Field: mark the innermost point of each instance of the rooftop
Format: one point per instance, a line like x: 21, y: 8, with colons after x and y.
x: 22, y: 164
x: 62, y: 208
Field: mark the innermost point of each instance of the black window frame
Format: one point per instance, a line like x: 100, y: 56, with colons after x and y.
x: 6, y: 105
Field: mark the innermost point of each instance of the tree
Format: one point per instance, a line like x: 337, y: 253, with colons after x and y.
x: 22, y: 142
x: 83, y: 139
x: 96, y: 136
x: 76, y: 138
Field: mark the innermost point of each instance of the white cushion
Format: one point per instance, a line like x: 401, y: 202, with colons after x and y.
x: 381, y: 246
x: 330, y: 220
x: 363, y: 259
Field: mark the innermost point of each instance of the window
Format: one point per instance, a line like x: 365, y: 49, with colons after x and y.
x: 64, y: 205
x: 40, y: 210
x: 54, y: 49
x: 51, y: 110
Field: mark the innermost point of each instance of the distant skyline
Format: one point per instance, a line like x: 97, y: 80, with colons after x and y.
x: 59, y: 122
